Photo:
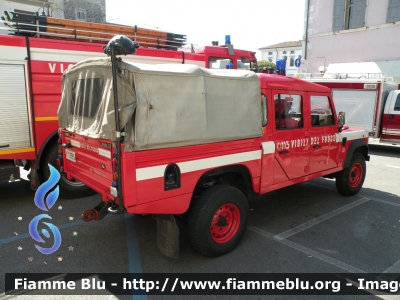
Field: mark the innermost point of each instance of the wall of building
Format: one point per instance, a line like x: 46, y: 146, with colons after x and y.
x: 94, y: 10
x: 377, y: 41
x: 11, y: 6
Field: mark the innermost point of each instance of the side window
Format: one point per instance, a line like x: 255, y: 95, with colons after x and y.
x: 321, y: 111
x: 397, y: 104
x: 220, y: 63
x: 242, y: 65
x: 264, y: 110
x: 288, y: 111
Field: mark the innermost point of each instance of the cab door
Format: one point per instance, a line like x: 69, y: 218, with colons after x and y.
x: 391, y: 117
x: 323, y: 146
x: 290, y: 136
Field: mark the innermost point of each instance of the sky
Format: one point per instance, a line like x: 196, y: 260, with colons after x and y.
x: 251, y: 24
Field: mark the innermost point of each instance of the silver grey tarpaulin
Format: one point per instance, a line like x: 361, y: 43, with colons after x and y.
x: 161, y: 106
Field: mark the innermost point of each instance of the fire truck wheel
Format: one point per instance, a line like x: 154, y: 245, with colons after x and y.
x: 217, y: 220
x: 68, y: 188
x: 350, y: 180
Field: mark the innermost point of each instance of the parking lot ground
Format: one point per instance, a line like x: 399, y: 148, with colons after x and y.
x: 306, y: 228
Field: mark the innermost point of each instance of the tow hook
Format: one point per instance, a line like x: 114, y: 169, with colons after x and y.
x: 97, y: 213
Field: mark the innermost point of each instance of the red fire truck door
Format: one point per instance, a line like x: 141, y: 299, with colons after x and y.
x: 291, y: 140
x: 323, y: 146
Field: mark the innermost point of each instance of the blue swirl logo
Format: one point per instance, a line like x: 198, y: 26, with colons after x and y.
x: 51, y: 199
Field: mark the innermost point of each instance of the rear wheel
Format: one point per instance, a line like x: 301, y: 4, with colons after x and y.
x: 217, y: 220
x: 350, y: 180
x: 68, y: 188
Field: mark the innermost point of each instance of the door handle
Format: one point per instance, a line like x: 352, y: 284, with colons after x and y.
x: 5, y: 146
x: 284, y: 152
x: 316, y: 146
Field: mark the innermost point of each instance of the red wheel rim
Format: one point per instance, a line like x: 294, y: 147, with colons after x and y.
x: 225, y: 223
x: 356, y: 175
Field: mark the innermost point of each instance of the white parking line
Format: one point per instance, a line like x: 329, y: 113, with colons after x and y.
x: 320, y: 219
x: 308, y: 251
x: 390, y: 166
x: 390, y: 273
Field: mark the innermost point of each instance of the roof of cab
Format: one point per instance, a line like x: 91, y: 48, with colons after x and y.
x: 273, y: 81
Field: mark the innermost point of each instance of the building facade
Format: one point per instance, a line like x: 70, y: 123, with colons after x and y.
x: 344, y: 31
x: 287, y: 50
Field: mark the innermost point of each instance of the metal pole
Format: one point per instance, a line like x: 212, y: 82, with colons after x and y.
x: 114, y: 66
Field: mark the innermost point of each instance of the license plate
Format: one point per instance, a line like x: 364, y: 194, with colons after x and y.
x: 70, y: 155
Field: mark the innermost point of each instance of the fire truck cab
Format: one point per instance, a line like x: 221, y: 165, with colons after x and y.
x: 194, y: 144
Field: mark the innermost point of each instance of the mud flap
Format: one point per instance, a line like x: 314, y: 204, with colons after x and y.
x: 168, y: 235
x: 34, y: 177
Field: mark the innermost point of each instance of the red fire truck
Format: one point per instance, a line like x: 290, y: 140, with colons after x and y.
x: 370, y: 100
x: 33, y: 57
x: 193, y: 144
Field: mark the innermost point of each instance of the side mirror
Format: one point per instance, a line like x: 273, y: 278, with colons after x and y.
x: 342, y: 120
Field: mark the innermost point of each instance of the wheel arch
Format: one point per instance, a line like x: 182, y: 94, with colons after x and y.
x: 238, y: 176
x: 52, y: 138
x: 358, y: 146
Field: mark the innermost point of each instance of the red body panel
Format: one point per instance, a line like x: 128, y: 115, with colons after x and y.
x: 391, y: 126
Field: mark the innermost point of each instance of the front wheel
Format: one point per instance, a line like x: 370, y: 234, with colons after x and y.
x: 217, y: 220
x: 68, y: 188
x: 350, y: 180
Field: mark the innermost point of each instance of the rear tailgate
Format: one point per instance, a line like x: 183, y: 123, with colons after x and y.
x: 89, y: 160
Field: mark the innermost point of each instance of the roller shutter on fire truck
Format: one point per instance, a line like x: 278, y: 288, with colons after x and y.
x: 14, y: 118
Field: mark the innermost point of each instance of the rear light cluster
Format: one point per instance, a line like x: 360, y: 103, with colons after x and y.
x: 115, y: 174
x: 114, y: 184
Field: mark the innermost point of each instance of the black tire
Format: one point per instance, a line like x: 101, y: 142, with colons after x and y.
x: 70, y: 189
x: 223, y: 204
x: 350, y: 180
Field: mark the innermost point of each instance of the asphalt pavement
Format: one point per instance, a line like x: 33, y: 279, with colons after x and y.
x: 306, y: 228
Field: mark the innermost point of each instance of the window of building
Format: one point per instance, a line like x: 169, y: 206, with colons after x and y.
x: 291, y: 64
x: 348, y: 14
x: 284, y: 52
x: 397, y: 104
x: 269, y: 53
x: 270, y: 59
x: 321, y: 111
x: 288, y: 111
x: 393, y: 14
x: 81, y: 14
x: 292, y: 52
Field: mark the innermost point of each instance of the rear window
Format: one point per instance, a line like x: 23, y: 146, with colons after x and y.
x: 86, y: 96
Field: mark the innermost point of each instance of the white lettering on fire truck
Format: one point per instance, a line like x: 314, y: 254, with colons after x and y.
x: 53, y: 67
x: 297, y: 143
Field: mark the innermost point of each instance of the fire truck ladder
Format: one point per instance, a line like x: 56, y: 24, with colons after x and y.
x: 62, y: 29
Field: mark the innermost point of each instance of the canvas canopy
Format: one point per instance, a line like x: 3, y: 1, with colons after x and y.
x: 161, y: 106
